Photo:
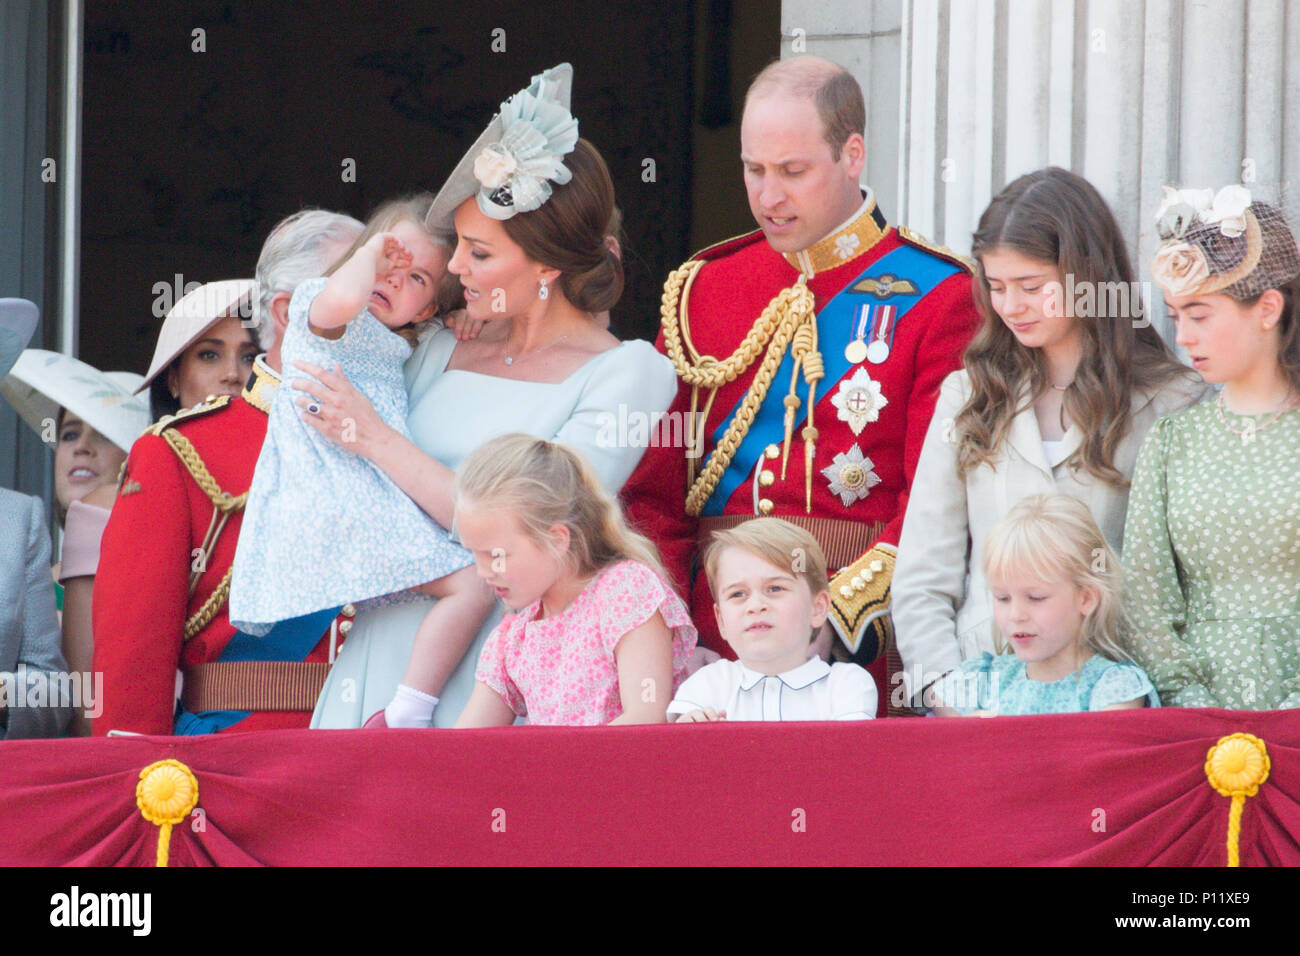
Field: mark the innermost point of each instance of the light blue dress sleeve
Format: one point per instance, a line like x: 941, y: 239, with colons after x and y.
x: 1122, y: 682
x: 633, y: 384
x: 968, y: 686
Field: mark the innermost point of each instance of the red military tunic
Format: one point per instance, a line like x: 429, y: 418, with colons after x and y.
x: 143, y: 603
x: 738, y: 280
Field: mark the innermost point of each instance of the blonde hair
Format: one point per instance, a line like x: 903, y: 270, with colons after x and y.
x: 546, y: 484
x: 413, y: 209
x: 776, y: 541
x: 1054, y: 538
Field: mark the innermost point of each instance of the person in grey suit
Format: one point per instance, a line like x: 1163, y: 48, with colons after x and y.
x: 34, y: 683
x: 35, y: 693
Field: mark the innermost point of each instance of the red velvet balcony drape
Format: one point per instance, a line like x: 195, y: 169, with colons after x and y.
x: 1124, y: 788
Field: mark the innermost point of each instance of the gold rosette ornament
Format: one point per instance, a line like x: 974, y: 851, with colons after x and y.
x: 166, y: 794
x: 1237, y: 767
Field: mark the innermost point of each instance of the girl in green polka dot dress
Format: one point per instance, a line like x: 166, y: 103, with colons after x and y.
x: 1213, y: 538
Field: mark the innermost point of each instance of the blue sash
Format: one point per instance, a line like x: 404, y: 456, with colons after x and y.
x: 834, y: 331
x: 290, y: 640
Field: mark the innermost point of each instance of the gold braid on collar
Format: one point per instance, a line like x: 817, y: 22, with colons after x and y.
x: 789, y: 317
x: 259, y: 391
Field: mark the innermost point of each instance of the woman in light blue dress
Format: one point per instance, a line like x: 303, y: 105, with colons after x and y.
x: 535, y: 268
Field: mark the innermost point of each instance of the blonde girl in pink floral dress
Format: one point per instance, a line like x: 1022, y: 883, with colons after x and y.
x: 593, y: 633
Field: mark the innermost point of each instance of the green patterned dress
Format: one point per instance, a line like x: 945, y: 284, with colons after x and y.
x: 1212, y: 560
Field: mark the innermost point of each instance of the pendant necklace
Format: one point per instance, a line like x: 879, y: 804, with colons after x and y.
x: 512, y: 361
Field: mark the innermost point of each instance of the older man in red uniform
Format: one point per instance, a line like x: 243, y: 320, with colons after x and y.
x: 811, y: 353
x: 160, y: 615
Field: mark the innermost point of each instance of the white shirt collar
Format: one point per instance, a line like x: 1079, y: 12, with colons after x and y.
x: 809, y: 672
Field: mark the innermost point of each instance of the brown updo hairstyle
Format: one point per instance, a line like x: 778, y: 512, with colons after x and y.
x: 567, y: 232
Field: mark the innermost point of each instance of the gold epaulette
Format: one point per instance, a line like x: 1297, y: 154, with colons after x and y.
x: 262, y: 384
x: 860, y: 603
x: 207, y: 406
x: 943, y: 252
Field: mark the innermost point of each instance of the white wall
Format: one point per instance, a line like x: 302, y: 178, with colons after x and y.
x: 965, y: 95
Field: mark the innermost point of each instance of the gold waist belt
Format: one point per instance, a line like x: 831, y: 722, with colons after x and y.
x: 254, y: 685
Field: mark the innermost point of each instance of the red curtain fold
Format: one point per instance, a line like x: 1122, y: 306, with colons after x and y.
x: 1124, y: 788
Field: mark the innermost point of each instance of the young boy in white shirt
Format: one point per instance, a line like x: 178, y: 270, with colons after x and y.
x: 770, y: 596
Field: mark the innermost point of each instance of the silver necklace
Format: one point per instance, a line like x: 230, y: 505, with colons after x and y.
x: 512, y: 361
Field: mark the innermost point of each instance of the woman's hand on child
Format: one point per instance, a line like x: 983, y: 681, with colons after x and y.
x: 462, y: 326
x: 342, y: 414
x: 705, y: 714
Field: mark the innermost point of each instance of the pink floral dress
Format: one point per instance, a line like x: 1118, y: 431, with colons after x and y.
x: 561, y: 670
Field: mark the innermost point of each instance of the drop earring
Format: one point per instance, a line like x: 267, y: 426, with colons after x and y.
x: 543, y: 292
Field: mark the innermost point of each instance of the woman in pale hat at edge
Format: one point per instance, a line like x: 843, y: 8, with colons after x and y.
x: 29, y: 631
x: 92, y: 418
x: 528, y: 209
x: 1212, y: 557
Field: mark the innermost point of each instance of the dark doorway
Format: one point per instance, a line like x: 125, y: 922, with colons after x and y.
x: 206, y: 122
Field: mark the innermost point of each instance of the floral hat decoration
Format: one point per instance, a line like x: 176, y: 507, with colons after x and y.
x: 511, y: 166
x: 1223, y: 242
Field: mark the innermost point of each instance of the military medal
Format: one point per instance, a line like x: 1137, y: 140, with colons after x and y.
x: 857, y: 350
x: 878, y: 350
x: 851, y: 475
x: 859, y: 400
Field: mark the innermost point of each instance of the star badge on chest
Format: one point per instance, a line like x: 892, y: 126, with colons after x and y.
x: 859, y: 401
x: 851, y: 475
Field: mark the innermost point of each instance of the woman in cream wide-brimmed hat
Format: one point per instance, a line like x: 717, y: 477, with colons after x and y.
x: 205, y: 348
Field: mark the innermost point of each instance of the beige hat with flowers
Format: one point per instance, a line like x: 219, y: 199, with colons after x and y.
x: 1226, y: 242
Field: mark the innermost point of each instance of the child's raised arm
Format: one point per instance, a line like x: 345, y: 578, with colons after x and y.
x: 348, y: 290
x: 644, y: 657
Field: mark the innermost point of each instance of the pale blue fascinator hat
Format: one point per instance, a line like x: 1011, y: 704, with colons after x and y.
x: 511, y: 166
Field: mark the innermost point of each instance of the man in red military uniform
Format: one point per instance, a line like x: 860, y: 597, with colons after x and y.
x: 165, y: 560
x: 811, y: 353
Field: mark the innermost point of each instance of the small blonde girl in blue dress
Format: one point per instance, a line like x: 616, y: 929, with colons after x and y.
x: 1056, y: 589
x: 323, y: 526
